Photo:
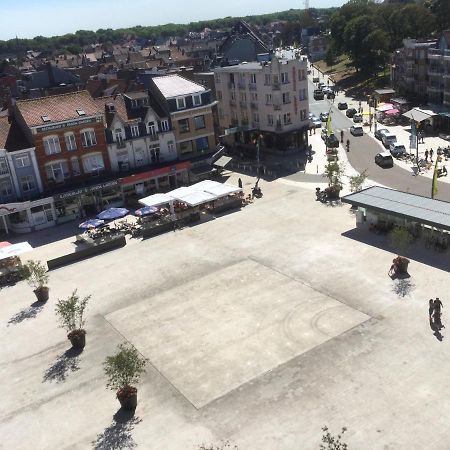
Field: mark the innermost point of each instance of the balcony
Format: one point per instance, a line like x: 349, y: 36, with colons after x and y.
x: 121, y: 144
x: 252, y: 87
x: 4, y: 171
x: 153, y: 136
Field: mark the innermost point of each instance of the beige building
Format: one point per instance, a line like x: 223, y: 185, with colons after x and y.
x: 268, y: 99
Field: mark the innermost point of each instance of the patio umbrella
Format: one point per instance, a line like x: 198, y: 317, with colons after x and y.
x: 113, y: 214
x: 146, y: 211
x: 91, y: 223
x: 385, y: 107
x: 14, y: 249
x: 392, y: 112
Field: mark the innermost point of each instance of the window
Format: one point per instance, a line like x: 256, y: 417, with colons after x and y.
x: 183, y: 126
x: 93, y: 163
x: 202, y: 144
x: 287, y: 118
x: 75, y: 167
x: 219, y: 95
x: 286, y: 98
x: 301, y: 75
x: 27, y: 183
x: 233, y: 95
x: 302, y: 94
x: 164, y: 125
x: 243, y: 96
x: 6, y: 188
x: 134, y: 131
x: 88, y: 138
x: 171, y: 146
x: 51, y: 145
x: 71, y: 143
x: 253, y: 78
x: 267, y: 79
x: 197, y: 100
x: 255, y: 117
x: 151, y: 128
x: 303, y: 114
x: 268, y: 99
x: 284, y: 77
x: 186, y: 147
x: 254, y: 97
x: 242, y: 77
x: 269, y: 119
x: 199, y: 122
x: 217, y: 77
x: 181, y: 104
x: 22, y: 161
x: 118, y: 135
x: 3, y: 166
x: 57, y: 171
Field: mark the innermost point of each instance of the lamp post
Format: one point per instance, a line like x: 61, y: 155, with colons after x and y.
x: 258, y: 151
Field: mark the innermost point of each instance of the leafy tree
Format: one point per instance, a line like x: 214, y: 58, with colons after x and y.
x: 441, y: 10
x: 357, y: 181
x: 330, y: 442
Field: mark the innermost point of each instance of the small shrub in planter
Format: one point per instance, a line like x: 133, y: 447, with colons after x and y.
x: 35, y: 273
x: 123, y: 370
x: 70, y: 313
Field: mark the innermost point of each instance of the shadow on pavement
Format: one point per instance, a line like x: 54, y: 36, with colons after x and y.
x: 118, y: 435
x: 415, y: 252
x: 30, y: 312
x: 63, y: 366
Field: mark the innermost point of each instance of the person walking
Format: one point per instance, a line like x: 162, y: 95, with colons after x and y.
x: 426, y: 155
x: 437, y: 304
x: 342, y: 136
x: 431, y: 154
x: 431, y: 308
x: 240, y: 183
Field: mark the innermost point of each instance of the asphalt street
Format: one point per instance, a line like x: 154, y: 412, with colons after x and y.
x: 363, y: 150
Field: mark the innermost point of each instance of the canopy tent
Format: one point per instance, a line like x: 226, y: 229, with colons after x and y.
x: 223, y: 161
x: 91, y: 223
x: 218, y: 189
x: 385, y: 107
x: 156, y: 200
x: 15, y: 250
x: 196, y: 198
x: 418, y: 115
x: 392, y: 112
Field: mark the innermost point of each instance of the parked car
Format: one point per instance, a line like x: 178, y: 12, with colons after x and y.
x: 342, y: 105
x: 327, y: 90
x: 331, y: 95
x: 315, y: 121
x: 380, y: 133
x: 356, y: 130
x: 318, y: 95
x: 332, y: 141
x: 321, y: 85
x: 350, y: 112
x: 388, y: 139
x: 397, y: 149
x: 357, y: 118
x: 324, y: 116
x: 323, y: 135
x: 384, y: 159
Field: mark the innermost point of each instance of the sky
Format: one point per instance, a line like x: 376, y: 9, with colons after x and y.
x: 29, y: 18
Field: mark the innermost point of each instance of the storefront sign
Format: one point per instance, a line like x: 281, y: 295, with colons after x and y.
x: 86, y: 190
x: 72, y: 123
x: 10, y: 208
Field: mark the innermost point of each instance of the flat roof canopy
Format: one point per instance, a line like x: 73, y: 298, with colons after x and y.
x: 435, y: 213
x: 418, y: 115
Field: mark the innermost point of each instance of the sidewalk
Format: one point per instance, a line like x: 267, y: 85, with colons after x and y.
x: 402, y: 133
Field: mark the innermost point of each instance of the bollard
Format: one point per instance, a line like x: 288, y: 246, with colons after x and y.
x: 317, y: 168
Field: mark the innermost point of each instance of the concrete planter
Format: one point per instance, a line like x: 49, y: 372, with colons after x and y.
x: 42, y: 293
x: 77, y: 338
x: 127, y: 397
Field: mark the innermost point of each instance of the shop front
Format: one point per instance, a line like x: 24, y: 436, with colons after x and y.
x: 158, y: 180
x: 25, y: 217
x: 87, y: 201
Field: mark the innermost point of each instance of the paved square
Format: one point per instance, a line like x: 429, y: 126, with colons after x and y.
x: 211, y: 335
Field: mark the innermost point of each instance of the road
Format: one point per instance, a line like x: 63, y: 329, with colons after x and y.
x: 363, y: 150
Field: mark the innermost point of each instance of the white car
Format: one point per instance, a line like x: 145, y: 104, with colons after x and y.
x: 388, y: 139
x: 356, y: 130
x: 397, y: 149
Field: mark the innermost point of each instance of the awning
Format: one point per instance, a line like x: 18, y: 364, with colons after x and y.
x: 140, y: 177
x: 418, y: 115
x: 197, y: 198
x: 222, y: 161
x: 156, y: 200
x: 15, y: 249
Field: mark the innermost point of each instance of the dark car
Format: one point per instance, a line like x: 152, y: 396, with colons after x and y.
x: 331, y: 95
x: 380, y: 133
x: 384, y: 159
x: 324, y: 116
x: 350, y: 112
x: 332, y: 141
x: 318, y: 95
x: 342, y: 105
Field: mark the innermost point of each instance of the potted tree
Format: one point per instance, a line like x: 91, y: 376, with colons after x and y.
x: 123, y: 370
x: 70, y: 313
x: 334, y: 172
x: 401, y: 238
x: 36, y: 275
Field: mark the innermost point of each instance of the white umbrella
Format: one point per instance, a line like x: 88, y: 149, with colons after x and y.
x: 15, y: 250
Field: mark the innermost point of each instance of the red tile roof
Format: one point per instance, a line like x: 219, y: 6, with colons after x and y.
x: 57, y: 108
x: 119, y: 104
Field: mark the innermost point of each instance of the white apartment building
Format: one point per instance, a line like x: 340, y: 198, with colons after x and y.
x: 267, y: 99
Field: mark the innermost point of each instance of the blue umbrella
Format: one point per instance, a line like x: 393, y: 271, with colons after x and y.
x: 91, y: 223
x: 146, y: 211
x: 113, y: 213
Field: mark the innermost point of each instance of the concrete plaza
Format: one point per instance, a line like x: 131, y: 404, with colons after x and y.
x: 260, y: 326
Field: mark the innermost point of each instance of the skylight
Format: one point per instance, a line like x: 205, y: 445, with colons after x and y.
x: 81, y: 112
x: 45, y: 119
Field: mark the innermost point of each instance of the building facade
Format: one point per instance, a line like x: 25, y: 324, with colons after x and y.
x: 268, y: 99
x: 190, y: 108
x: 439, y: 72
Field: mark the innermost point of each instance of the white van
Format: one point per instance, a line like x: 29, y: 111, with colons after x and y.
x: 388, y: 139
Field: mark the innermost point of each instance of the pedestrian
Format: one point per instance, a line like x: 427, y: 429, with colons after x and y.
x: 426, y: 155
x: 309, y: 149
x: 342, y: 136
x: 437, y: 313
x: 431, y: 308
x: 240, y: 183
x: 431, y: 154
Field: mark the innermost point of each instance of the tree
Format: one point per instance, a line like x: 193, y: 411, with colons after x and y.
x: 400, y: 238
x: 357, y: 181
x: 441, y: 11
x: 330, y: 442
x: 330, y: 57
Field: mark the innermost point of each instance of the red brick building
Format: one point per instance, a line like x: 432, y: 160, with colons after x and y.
x: 68, y: 134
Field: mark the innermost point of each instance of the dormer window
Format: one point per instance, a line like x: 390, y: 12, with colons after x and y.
x: 181, y: 103
x: 81, y: 112
x: 45, y: 119
x: 197, y: 100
